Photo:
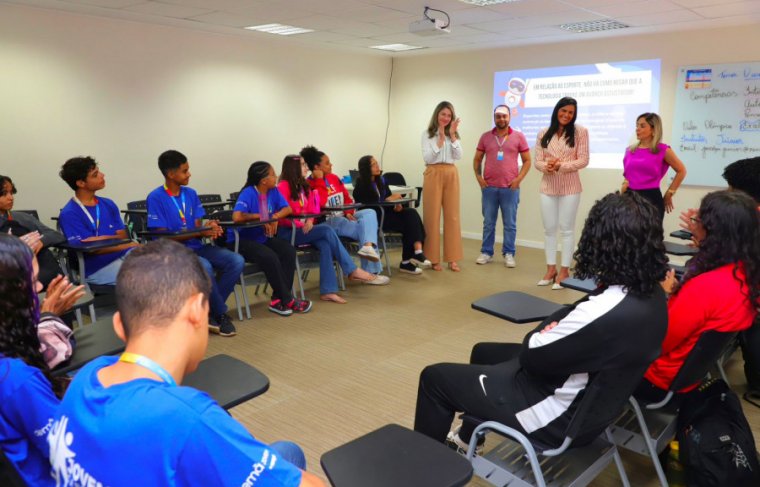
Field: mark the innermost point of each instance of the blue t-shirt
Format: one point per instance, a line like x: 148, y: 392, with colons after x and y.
x: 27, y: 407
x: 248, y: 202
x: 145, y: 432
x: 77, y: 227
x: 165, y: 213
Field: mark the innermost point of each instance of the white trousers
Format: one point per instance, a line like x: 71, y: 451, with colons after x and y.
x: 558, y: 213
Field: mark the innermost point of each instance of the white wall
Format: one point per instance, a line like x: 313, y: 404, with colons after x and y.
x: 124, y: 92
x: 466, y: 79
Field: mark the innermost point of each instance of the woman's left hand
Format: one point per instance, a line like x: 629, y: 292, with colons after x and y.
x: 397, y: 208
x: 668, y: 200
x: 455, y: 126
x: 61, y: 296
x: 669, y: 283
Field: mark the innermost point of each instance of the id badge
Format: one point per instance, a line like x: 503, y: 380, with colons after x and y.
x: 500, y: 156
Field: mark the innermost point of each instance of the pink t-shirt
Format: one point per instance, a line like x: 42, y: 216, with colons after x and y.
x: 645, y: 170
x: 500, y: 173
x: 301, y: 203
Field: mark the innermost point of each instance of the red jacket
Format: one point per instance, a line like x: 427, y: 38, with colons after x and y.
x: 714, y: 300
x: 331, y: 191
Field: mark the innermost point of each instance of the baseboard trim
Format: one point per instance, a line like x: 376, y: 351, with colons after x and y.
x: 532, y: 244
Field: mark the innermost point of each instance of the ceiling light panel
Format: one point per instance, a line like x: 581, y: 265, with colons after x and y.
x: 485, y: 3
x: 396, y: 47
x: 594, y: 26
x: 279, y: 29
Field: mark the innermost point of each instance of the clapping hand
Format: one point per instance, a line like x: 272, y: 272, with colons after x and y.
x: 61, y: 296
x: 455, y: 126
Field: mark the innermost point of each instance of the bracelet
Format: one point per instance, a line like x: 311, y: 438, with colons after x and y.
x: 672, y: 192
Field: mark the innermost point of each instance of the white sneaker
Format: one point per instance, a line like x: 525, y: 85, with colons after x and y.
x: 483, y: 259
x: 509, y: 260
x: 369, y: 253
x: 379, y: 280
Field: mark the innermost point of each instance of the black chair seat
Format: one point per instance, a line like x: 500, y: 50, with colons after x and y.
x: 516, y: 307
x: 679, y: 249
x: 92, y: 341
x: 398, y: 457
x: 582, y: 285
x: 228, y: 380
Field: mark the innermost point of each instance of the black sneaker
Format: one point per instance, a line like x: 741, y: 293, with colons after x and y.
x: 213, y: 325
x: 277, y: 306
x: 409, y: 268
x: 226, y: 328
x: 300, y: 306
x: 421, y: 261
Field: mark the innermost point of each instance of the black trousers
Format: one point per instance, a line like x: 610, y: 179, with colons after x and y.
x: 408, y: 222
x: 654, y: 196
x: 484, y: 389
x: 277, y: 258
x: 750, y: 344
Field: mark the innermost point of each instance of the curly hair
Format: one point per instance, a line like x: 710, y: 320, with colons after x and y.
x: 622, y: 244
x: 312, y: 156
x: 19, y: 308
x: 732, y: 236
x: 744, y: 175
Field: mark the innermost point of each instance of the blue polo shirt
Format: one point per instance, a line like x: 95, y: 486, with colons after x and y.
x: 248, y: 202
x: 27, y: 407
x: 164, y: 211
x: 148, y: 433
x: 76, y: 226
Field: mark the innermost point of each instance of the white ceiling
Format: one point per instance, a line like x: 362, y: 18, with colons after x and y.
x: 357, y: 24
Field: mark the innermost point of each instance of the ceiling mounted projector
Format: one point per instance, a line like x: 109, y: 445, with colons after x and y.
x: 429, y: 26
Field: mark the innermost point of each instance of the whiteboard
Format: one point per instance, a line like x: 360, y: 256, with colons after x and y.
x: 717, y: 118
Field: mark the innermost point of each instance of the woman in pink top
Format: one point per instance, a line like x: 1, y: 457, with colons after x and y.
x: 304, y: 201
x: 646, y: 162
x: 561, y: 150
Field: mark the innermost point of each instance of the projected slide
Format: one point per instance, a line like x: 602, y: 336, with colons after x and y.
x: 610, y: 97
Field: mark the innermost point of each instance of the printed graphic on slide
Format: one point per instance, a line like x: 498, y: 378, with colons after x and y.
x: 610, y: 96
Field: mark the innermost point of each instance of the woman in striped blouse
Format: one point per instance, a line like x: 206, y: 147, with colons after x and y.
x: 561, y: 150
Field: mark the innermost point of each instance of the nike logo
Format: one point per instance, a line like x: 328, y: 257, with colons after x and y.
x: 482, y: 386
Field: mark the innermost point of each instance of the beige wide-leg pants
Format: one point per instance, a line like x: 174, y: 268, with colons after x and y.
x: 441, y: 192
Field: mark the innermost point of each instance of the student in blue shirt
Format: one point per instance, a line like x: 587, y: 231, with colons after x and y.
x: 127, y: 420
x: 27, y: 401
x: 260, y: 200
x: 174, y: 206
x: 88, y: 218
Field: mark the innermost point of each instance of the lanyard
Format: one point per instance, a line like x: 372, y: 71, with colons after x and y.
x: 181, y: 211
x: 265, y: 208
x: 502, y: 142
x: 143, y: 361
x: 377, y: 190
x: 96, y: 222
x: 10, y: 217
x: 302, y: 199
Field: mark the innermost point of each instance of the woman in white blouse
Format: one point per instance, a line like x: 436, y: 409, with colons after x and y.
x: 440, y: 149
x: 561, y: 150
